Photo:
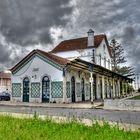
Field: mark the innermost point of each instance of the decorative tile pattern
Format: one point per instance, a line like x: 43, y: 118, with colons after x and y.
x: 35, y: 90
x: 78, y: 91
x: 57, y: 89
x: 16, y: 90
x: 87, y: 89
x: 68, y: 89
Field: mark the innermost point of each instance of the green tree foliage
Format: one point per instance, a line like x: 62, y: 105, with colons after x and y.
x: 125, y: 70
x: 117, y: 54
x: 118, y: 59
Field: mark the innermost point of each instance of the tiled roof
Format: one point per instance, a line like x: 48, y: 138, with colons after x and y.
x: 79, y: 43
x: 56, y: 59
x: 5, y: 75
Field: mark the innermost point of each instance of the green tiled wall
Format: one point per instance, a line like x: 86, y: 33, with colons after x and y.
x: 35, y: 90
x: 68, y: 89
x: 78, y: 89
x: 87, y: 89
x: 16, y: 89
x: 57, y: 89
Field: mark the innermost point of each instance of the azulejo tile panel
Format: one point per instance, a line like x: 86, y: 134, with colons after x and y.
x: 87, y: 89
x: 57, y: 89
x: 105, y: 88
x: 68, y: 89
x: 16, y: 90
x: 78, y: 91
x: 35, y: 90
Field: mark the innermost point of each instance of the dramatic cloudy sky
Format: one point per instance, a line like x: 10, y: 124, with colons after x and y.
x: 29, y: 24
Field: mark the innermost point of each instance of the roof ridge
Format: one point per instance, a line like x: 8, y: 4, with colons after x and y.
x: 50, y: 53
x: 77, y: 43
x: 102, y: 34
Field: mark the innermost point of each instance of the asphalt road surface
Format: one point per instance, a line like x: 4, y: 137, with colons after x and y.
x: 132, y: 117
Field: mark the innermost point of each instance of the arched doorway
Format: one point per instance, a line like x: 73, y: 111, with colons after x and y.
x: 101, y: 96
x: 94, y: 86
x: 26, y: 82
x: 105, y: 86
x: 45, y: 89
x: 121, y: 86
x: 109, y: 88
x: 83, y: 89
x: 73, y: 89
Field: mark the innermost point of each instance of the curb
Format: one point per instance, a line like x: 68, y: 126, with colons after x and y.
x: 42, y: 106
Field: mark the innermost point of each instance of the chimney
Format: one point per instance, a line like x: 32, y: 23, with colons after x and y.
x: 90, y: 38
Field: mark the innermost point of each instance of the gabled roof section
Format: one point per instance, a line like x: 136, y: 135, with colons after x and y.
x: 78, y: 43
x: 55, y: 59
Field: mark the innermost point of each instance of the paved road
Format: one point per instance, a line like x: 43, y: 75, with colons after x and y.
x: 99, y: 114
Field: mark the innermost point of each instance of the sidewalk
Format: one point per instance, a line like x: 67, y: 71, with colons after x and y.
x: 125, y: 103
x: 80, y: 105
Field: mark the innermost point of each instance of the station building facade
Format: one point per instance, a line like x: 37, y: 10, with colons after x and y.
x: 75, y: 70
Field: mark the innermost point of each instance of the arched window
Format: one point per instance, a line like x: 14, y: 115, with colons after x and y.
x: 45, y: 89
x: 73, y: 88
x: 105, y: 62
x: 26, y: 82
x: 83, y: 89
x: 104, y: 47
x: 100, y: 59
x: 108, y: 64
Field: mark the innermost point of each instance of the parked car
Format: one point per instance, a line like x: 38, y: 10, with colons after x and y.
x: 4, y: 96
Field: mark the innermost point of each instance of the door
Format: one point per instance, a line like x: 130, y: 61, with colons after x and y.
x: 109, y: 88
x: 94, y: 87
x: 83, y: 89
x: 101, y: 89
x: 26, y: 89
x: 73, y: 89
x: 45, y: 89
x: 105, y: 89
x: 121, y: 88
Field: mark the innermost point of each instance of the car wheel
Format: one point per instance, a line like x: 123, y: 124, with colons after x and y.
x: 0, y: 99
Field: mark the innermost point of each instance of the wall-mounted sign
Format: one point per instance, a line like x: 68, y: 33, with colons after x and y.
x: 35, y: 69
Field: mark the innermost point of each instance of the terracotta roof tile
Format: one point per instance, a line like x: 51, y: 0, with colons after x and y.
x: 57, y: 59
x: 52, y: 57
x: 75, y: 44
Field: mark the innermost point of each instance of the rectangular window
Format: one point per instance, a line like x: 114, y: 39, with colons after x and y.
x: 100, y: 59
x: 108, y: 64
x: 105, y: 62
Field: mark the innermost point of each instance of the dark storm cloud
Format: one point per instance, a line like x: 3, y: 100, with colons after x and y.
x: 4, y: 53
x: 117, y: 18
x: 28, y: 22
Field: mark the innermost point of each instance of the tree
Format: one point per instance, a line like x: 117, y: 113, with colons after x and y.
x: 118, y: 59
x: 126, y: 71
x: 117, y: 55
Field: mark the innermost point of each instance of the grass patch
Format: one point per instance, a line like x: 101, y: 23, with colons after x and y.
x: 136, y: 98
x: 36, y: 129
